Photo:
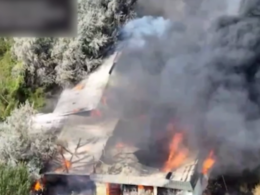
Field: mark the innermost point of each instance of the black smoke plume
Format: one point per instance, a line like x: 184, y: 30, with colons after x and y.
x: 204, y: 65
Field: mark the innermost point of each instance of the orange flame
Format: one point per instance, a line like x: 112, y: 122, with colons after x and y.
x: 177, y: 154
x: 38, y: 186
x: 140, y: 187
x: 67, y: 164
x: 208, y: 163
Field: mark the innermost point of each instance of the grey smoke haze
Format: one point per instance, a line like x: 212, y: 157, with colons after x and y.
x: 176, y: 8
x: 209, y: 76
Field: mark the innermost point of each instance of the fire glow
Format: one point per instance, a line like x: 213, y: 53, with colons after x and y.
x: 140, y: 187
x: 38, y: 186
x: 66, y: 165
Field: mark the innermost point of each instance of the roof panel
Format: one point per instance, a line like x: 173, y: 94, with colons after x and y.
x: 87, y: 94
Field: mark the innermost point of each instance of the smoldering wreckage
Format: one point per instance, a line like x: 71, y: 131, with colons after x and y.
x: 164, y: 113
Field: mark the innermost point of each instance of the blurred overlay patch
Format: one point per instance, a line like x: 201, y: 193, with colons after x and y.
x: 38, y: 17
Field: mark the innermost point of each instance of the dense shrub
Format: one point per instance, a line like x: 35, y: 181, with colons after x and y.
x: 19, y: 142
x: 14, y: 180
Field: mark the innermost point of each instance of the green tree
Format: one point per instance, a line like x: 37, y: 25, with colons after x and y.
x: 13, y: 90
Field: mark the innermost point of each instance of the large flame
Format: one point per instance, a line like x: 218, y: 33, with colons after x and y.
x: 177, y: 154
x: 208, y: 163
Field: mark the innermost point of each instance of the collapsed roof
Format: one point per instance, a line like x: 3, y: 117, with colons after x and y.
x: 87, y: 149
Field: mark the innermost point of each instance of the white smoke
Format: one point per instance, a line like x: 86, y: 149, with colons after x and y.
x: 233, y: 7
x: 135, y: 30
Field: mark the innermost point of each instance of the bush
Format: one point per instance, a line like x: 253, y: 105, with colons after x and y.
x: 20, y: 143
x: 14, y: 180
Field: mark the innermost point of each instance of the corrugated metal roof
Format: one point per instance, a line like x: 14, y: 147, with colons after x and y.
x: 88, y: 93
x: 182, y: 178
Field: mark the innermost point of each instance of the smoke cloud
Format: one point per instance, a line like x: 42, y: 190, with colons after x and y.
x: 202, y: 62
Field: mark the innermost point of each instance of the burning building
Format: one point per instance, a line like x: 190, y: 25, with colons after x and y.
x: 100, y: 152
x: 93, y: 153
